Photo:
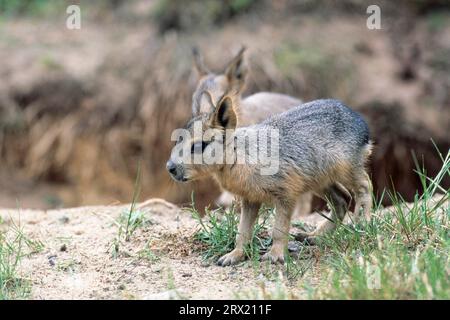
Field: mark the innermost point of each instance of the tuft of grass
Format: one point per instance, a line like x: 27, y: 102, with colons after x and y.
x: 402, y: 253
x: 174, y: 293
x: 14, y: 246
x: 130, y: 220
x: 147, y: 254
x: 135, y: 217
x: 297, y: 267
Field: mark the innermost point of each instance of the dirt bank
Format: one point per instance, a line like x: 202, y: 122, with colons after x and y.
x: 80, y: 110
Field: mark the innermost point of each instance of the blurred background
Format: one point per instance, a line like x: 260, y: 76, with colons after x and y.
x: 80, y: 109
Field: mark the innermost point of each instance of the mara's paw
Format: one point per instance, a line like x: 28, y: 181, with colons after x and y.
x: 232, y: 258
x: 275, y: 256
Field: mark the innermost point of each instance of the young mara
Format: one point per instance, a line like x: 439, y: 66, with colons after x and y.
x: 319, y: 147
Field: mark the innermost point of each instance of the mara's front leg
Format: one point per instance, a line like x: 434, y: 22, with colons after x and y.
x: 280, y: 233
x: 249, y: 212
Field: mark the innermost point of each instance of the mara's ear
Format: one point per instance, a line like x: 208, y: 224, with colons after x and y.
x: 199, y: 63
x: 206, y: 104
x: 236, y: 72
x: 224, y: 115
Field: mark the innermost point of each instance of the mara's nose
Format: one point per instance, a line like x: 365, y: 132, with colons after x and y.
x: 171, y: 167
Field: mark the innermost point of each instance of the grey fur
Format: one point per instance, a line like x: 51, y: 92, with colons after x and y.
x: 315, y: 134
x: 323, y: 147
x: 314, y: 137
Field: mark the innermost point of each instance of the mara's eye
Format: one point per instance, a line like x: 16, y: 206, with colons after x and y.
x: 199, y: 147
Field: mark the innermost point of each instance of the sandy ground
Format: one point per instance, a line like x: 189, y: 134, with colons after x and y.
x: 76, y: 261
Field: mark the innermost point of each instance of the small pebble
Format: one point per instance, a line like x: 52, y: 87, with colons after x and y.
x: 52, y: 259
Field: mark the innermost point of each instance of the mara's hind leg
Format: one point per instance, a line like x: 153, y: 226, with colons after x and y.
x: 225, y: 199
x: 363, y: 196
x: 337, y: 201
x: 303, y: 205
